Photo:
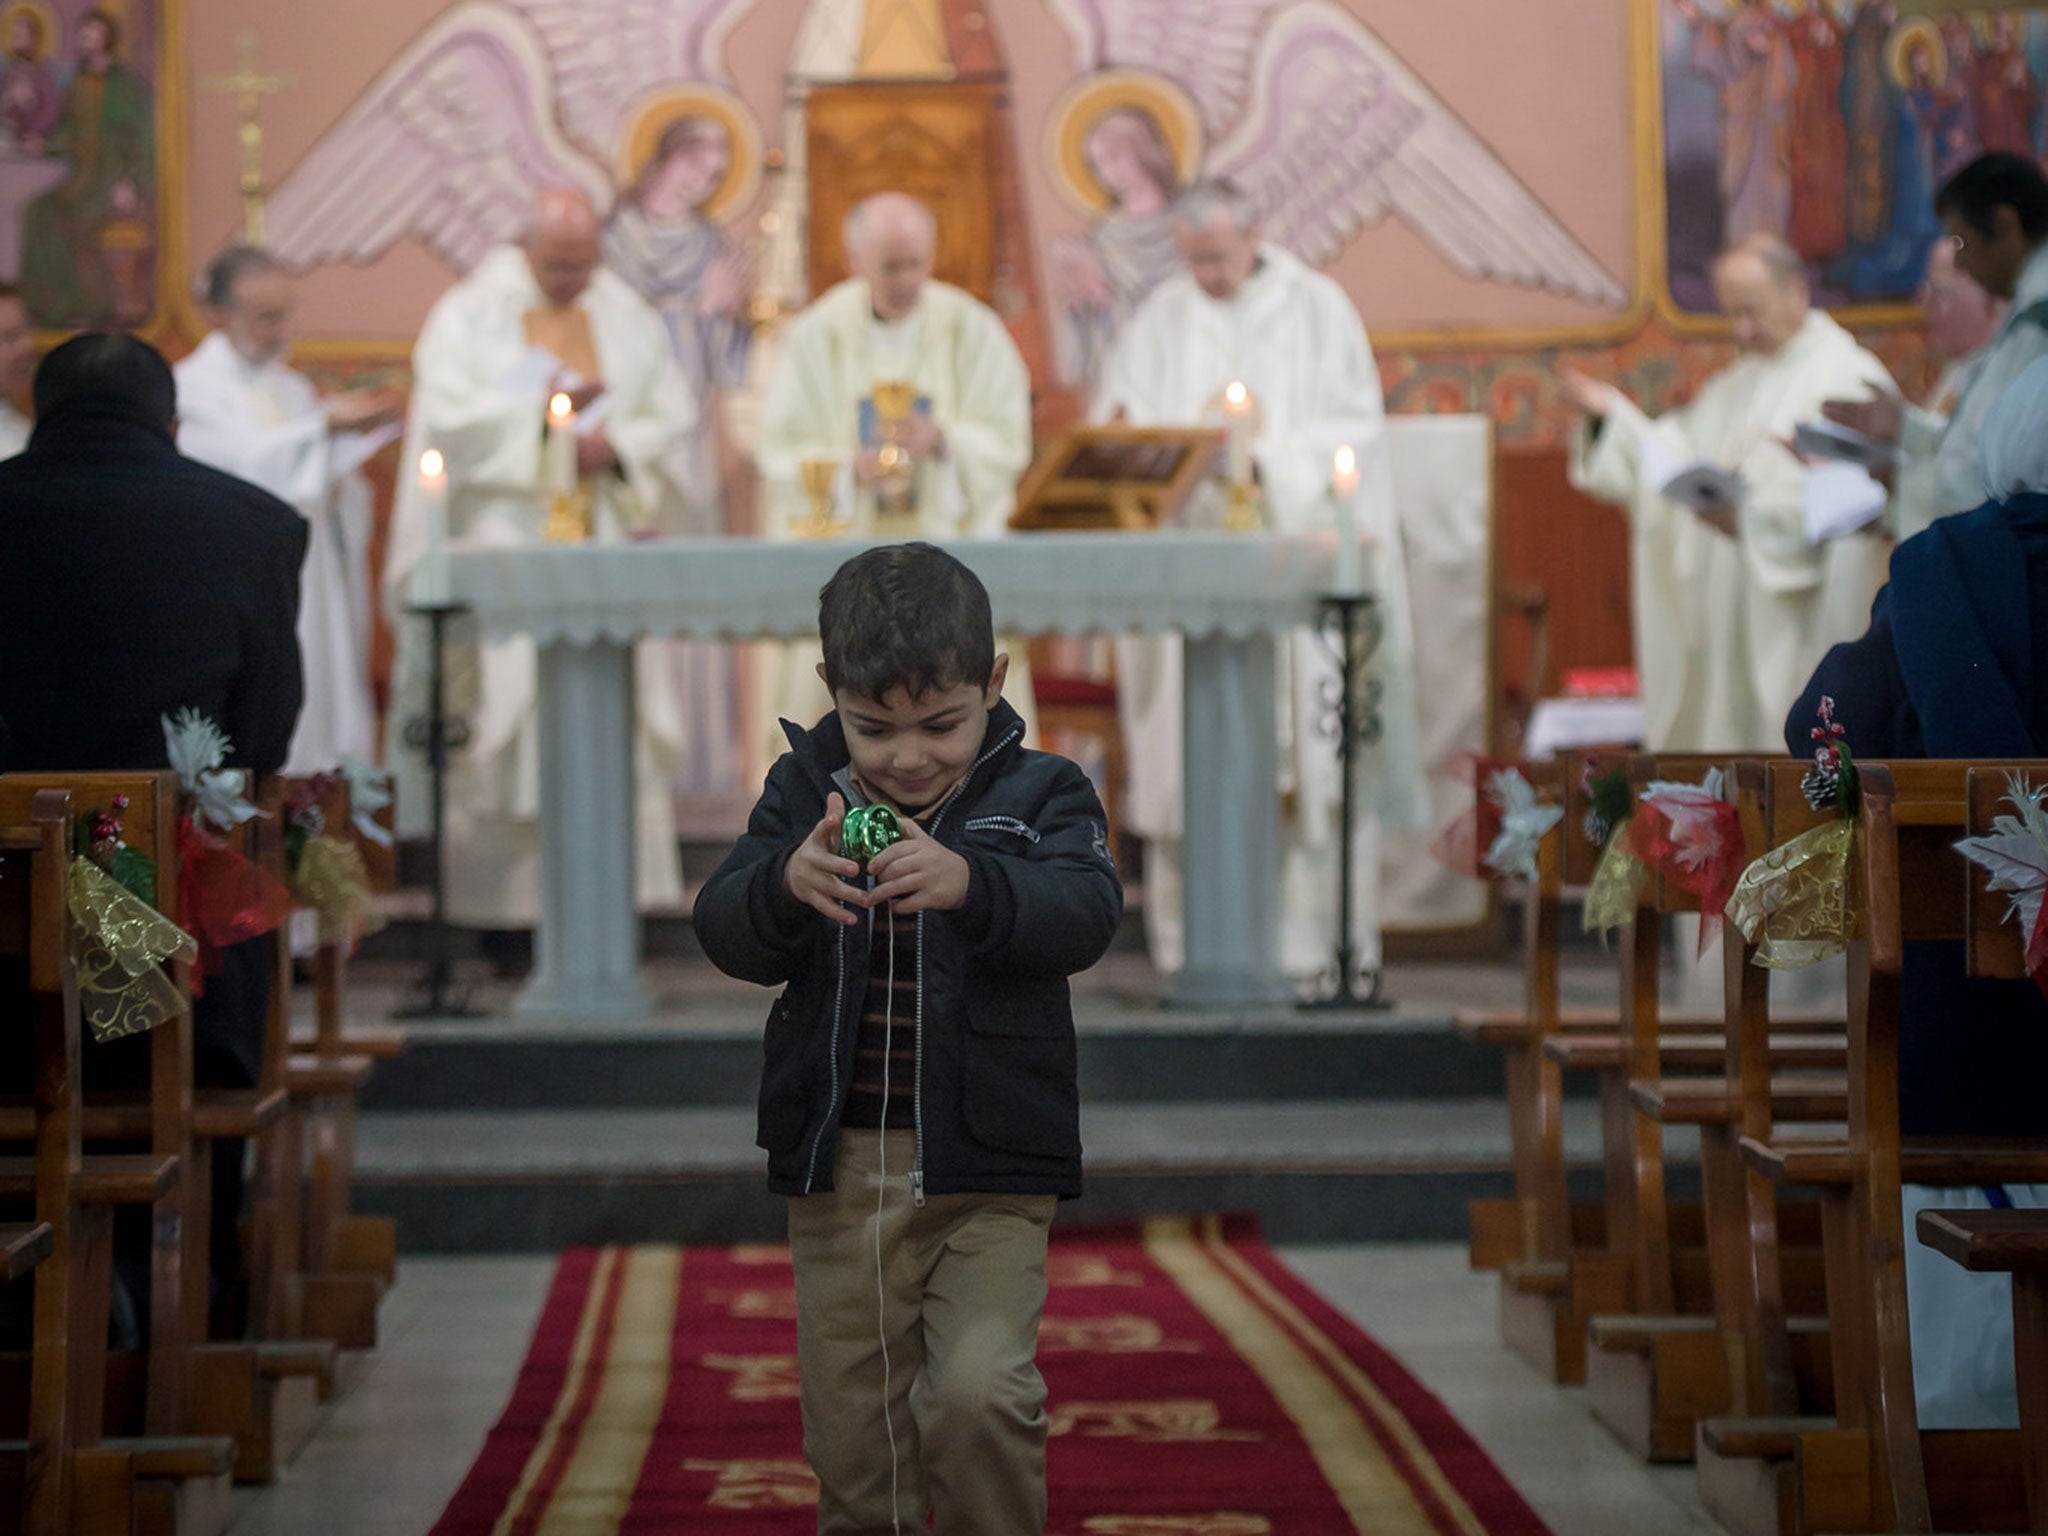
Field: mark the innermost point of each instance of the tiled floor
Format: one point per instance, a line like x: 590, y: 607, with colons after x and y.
x: 408, y: 1423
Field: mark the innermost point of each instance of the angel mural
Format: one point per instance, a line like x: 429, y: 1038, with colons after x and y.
x: 1308, y: 110
x: 627, y: 99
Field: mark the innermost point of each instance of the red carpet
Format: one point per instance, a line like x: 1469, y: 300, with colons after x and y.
x: 1196, y: 1388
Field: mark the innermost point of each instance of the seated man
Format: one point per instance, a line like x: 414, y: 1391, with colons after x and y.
x: 1955, y: 664
x: 133, y: 584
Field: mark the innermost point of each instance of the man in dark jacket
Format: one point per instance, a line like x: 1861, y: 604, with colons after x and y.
x: 918, y: 1095
x: 135, y: 583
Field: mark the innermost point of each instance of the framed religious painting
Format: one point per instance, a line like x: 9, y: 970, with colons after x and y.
x: 1830, y: 124
x: 1116, y: 477
x: 83, y: 192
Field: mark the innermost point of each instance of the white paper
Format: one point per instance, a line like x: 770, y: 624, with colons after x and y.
x: 593, y: 415
x: 1832, y: 441
x: 536, y: 371
x: 1840, y: 498
x: 352, y: 450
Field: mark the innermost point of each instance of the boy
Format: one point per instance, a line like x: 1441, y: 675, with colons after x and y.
x: 918, y: 1095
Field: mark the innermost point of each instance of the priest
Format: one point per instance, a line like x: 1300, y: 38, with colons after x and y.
x: 1248, y: 311
x: 530, y: 321
x: 947, y: 468
x: 1733, y: 604
x: 243, y: 409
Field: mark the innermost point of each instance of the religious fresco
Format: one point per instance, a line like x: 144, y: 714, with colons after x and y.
x: 79, y: 196
x: 1830, y: 124
x: 1306, y: 108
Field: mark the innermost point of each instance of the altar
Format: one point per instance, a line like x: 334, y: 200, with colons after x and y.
x: 1227, y: 595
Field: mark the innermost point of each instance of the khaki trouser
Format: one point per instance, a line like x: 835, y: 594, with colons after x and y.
x: 956, y: 1294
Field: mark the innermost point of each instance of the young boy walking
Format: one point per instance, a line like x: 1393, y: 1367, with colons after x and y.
x: 918, y: 1097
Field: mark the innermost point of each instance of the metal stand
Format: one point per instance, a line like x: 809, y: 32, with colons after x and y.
x: 1350, y: 628
x: 437, y: 733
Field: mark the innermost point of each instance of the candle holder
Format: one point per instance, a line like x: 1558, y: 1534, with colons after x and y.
x: 568, y: 517
x: 1350, y: 627
x: 437, y: 733
x: 818, y: 478
x: 1245, y: 510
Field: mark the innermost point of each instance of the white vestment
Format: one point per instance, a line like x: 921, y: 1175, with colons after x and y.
x: 966, y: 369
x: 475, y: 400
x: 1294, y: 338
x: 1941, y: 456
x: 264, y: 423
x: 14, y: 430
x: 1728, y: 630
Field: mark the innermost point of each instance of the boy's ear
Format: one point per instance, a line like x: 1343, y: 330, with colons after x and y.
x: 822, y: 678
x: 996, y: 676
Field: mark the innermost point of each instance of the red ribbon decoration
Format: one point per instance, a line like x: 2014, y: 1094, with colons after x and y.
x: 1462, y: 845
x: 2037, y: 950
x: 1713, y: 878
x: 224, y: 897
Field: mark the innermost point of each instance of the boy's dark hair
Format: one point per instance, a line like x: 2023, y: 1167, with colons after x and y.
x: 905, y: 616
x: 108, y: 372
x: 1990, y: 182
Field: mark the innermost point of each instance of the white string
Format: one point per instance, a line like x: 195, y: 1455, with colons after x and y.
x: 881, y: 1200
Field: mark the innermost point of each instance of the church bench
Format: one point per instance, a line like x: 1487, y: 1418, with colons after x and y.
x: 24, y: 1245
x: 1510, y: 1026
x: 343, y: 1263
x: 1701, y: 1053
x: 1874, y: 1468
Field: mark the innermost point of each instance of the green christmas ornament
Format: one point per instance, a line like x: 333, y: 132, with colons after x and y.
x: 867, y: 830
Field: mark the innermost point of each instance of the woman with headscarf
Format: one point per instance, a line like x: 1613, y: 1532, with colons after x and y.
x: 1955, y: 665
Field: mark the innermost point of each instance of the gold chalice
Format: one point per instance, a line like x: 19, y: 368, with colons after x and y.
x: 895, y: 399
x: 818, y: 476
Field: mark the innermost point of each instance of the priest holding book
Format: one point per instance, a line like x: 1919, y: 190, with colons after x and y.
x: 1734, y: 601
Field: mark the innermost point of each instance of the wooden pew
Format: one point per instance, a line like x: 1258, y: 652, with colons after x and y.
x: 343, y: 1264
x: 1873, y: 1469
x: 1652, y: 1377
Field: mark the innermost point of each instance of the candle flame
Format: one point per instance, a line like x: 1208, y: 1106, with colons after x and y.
x: 432, y: 465
x: 1347, y: 460
x: 561, y: 407
x: 1235, y: 394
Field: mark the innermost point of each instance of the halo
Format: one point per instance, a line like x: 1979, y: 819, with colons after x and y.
x: 41, y: 14
x: 646, y: 123
x: 1082, y: 105
x: 1897, y: 48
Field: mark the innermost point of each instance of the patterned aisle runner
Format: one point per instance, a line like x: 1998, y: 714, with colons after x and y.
x: 1196, y: 1387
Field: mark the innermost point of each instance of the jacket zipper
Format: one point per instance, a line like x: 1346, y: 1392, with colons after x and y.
x: 838, y: 1019
x: 917, y: 1063
x: 1022, y: 829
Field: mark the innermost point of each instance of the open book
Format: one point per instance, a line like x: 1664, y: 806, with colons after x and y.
x: 1839, y: 444
x: 1693, y: 483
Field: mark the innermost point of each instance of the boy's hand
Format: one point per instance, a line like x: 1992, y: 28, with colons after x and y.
x: 816, y: 874
x: 919, y: 874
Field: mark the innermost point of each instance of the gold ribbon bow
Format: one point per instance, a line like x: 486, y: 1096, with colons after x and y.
x: 1617, y: 883
x: 120, y: 946
x: 333, y: 880
x: 1793, y: 903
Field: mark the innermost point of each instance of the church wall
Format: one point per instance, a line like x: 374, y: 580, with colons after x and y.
x: 1563, y: 101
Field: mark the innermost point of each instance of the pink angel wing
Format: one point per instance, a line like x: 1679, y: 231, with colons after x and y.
x: 1343, y: 133
x: 610, y: 53
x: 447, y: 147
x: 1203, y: 46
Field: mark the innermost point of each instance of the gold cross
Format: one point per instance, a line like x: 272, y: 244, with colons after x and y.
x: 249, y: 88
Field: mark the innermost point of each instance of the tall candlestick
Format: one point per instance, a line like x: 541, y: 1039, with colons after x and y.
x: 1237, y: 411
x: 430, y: 578
x: 1349, y: 576
x: 561, y: 446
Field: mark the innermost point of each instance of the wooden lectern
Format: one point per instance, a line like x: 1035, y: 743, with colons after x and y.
x: 1115, y: 477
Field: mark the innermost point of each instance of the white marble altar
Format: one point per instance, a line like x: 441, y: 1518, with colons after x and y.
x: 585, y: 605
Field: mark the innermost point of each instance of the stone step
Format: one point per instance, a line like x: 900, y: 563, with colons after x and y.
x: 1314, y: 1170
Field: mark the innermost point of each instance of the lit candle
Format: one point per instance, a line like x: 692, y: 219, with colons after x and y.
x: 430, y: 578
x: 561, y: 446
x: 1237, y: 411
x: 1344, y: 492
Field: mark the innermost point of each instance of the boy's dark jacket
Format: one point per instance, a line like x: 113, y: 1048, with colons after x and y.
x: 998, y: 1109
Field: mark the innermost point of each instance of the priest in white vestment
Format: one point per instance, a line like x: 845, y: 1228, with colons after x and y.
x: 243, y: 409
x: 1734, y: 606
x: 17, y: 363
x: 1245, y: 310
x: 531, y: 320
x: 947, y: 471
